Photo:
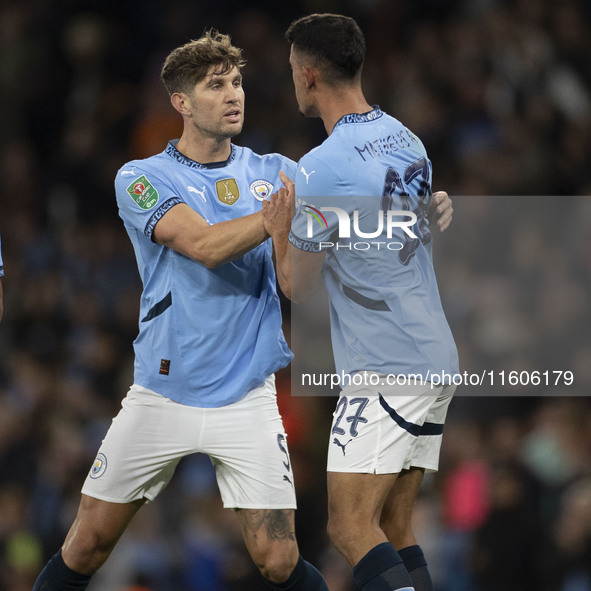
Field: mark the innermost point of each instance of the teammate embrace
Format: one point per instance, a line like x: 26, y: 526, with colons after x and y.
x: 199, y: 218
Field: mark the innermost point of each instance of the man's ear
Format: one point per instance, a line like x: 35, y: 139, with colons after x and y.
x: 179, y: 101
x: 311, y: 74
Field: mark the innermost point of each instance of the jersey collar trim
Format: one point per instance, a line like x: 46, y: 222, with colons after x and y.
x: 172, y: 151
x: 375, y: 113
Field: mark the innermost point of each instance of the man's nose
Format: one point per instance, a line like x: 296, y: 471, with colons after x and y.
x: 233, y: 95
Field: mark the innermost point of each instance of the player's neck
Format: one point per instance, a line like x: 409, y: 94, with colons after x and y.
x: 338, y: 103
x: 204, y: 150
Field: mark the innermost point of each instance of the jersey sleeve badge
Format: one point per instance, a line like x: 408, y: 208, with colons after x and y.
x: 143, y: 192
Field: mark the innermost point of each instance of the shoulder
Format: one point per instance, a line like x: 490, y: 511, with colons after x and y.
x: 272, y: 157
x: 131, y: 168
x: 317, y: 173
x: 145, y: 186
x: 154, y: 160
x: 404, y: 133
x: 272, y: 161
x: 154, y: 167
x: 322, y: 155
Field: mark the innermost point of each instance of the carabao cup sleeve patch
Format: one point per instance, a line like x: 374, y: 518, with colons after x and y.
x: 143, y: 192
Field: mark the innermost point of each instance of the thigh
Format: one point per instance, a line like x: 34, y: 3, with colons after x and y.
x: 247, y: 444
x: 142, y: 448
x: 425, y: 452
x: 375, y: 428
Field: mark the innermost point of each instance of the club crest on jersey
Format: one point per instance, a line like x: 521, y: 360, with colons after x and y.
x: 99, y: 467
x: 261, y: 189
x: 143, y: 193
x: 227, y: 191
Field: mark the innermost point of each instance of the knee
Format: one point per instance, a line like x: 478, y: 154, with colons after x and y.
x: 277, y: 564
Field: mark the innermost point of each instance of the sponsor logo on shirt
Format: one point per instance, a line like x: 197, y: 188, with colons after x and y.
x: 306, y: 174
x: 143, y: 193
x: 201, y: 193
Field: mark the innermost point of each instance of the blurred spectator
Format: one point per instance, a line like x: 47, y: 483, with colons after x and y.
x: 1, y: 275
x: 508, y: 547
x: 572, y: 536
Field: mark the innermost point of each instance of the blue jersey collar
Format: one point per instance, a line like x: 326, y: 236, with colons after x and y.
x: 172, y: 151
x: 375, y: 113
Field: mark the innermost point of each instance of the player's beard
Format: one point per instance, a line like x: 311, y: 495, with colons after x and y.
x: 222, y: 131
x: 234, y: 129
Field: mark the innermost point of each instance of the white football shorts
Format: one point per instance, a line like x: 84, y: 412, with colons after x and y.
x: 245, y: 441
x: 389, y: 428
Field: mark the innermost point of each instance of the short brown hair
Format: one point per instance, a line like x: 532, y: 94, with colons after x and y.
x: 188, y: 64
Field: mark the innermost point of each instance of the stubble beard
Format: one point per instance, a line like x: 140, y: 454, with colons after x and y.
x: 222, y: 132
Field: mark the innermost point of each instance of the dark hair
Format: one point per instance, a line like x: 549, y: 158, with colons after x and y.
x: 335, y: 43
x: 188, y: 64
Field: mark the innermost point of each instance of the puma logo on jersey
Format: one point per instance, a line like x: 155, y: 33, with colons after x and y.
x: 200, y: 193
x: 306, y: 174
x: 130, y: 172
x: 335, y: 440
x: 286, y: 479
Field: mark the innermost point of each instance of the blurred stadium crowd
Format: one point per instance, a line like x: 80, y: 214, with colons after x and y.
x: 500, y: 93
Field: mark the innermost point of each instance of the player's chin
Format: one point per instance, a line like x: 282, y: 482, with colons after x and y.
x: 234, y: 127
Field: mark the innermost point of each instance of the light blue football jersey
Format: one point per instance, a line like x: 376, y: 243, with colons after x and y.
x: 363, y: 197
x: 1, y: 262
x: 206, y: 336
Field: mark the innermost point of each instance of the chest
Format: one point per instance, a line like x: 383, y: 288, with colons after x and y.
x: 224, y: 194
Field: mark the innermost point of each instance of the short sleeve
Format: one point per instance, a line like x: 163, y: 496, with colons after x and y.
x: 143, y: 197
x: 320, y: 206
